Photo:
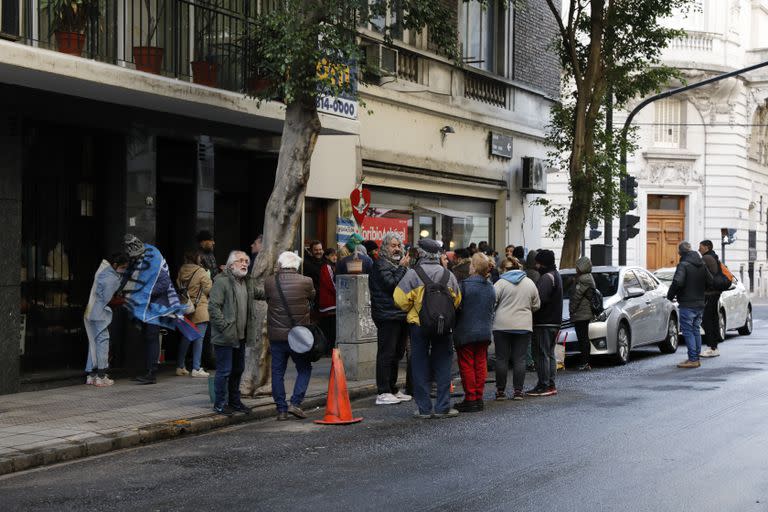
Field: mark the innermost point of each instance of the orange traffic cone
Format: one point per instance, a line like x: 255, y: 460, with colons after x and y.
x: 338, y: 410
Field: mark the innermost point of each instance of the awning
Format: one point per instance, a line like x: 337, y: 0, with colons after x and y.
x: 448, y: 212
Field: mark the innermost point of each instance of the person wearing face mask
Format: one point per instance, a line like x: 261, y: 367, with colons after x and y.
x: 228, y: 312
x: 390, y: 320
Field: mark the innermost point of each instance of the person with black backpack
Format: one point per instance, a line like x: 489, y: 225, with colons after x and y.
x: 430, y: 295
x: 580, y: 307
x: 711, y: 319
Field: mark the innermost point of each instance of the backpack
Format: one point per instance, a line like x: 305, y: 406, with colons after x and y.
x: 438, y: 314
x: 723, y: 279
x: 596, y: 302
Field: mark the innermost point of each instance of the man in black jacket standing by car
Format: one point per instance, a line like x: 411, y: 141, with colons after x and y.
x: 546, y: 323
x: 689, y: 284
x: 391, y: 325
x: 711, y: 319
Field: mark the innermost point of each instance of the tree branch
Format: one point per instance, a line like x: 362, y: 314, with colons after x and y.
x: 568, y: 35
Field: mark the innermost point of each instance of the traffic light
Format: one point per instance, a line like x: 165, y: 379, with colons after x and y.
x: 593, y: 231
x: 630, y: 221
x: 630, y: 188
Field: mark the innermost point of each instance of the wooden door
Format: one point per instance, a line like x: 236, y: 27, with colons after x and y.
x: 665, y: 230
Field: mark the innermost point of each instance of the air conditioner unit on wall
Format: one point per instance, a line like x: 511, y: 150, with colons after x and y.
x: 534, y: 176
x: 381, y: 60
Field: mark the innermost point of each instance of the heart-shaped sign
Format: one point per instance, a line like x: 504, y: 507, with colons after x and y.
x: 361, y: 201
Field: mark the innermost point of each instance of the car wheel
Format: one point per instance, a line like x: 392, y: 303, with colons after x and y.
x: 623, y: 344
x: 670, y: 343
x: 721, y: 325
x: 746, y: 329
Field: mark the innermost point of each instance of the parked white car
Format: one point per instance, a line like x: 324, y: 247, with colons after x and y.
x: 636, y: 313
x: 735, y: 305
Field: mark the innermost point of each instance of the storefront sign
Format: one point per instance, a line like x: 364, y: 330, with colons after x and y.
x: 374, y: 228
x: 501, y: 145
x: 344, y: 229
x: 361, y: 200
x: 341, y: 75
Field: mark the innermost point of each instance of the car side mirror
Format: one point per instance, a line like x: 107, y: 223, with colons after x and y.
x: 633, y: 292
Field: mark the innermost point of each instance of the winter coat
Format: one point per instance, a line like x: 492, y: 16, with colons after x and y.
x: 409, y: 293
x: 474, y: 318
x: 516, y: 301
x: 579, y: 306
x: 341, y: 266
x: 382, y: 282
x: 690, y: 281
x: 327, y: 291
x: 208, y: 262
x: 222, y: 310
x: 312, y: 267
x: 461, y: 269
x: 196, y: 280
x: 530, y: 267
x: 550, y: 287
x: 299, y: 292
x: 106, y: 282
x: 712, y: 262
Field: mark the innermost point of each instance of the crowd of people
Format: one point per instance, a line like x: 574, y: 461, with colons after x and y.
x: 426, y: 303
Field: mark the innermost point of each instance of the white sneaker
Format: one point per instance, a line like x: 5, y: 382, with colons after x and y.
x: 710, y: 353
x: 199, y: 373
x: 181, y: 372
x: 102, y: 382
x: 403, y: 397
x: 90, y: 380
x: 386, y: 399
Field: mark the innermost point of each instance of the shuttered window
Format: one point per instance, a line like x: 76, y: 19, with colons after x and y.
x: 668, y: 123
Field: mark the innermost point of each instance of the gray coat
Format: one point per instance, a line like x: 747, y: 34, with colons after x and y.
x: 222, y: 309
x: 579, y: 305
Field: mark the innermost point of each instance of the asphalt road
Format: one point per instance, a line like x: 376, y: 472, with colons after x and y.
x: 644, y: 437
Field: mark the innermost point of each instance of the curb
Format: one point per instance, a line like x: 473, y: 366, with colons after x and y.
x: 147, y: 434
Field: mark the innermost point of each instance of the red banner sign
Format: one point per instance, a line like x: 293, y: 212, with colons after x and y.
x: 374, y: 228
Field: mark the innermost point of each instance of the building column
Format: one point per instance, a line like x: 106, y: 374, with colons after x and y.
x: 10, y: 253
x: 204, y: 184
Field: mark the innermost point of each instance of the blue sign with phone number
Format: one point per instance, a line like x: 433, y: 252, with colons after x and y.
x: 337, y: 106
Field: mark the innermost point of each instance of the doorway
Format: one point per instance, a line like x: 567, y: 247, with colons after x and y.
x: 665, y: 230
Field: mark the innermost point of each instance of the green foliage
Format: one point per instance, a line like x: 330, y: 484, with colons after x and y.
x: 305, y: 48
x: 72, y: 15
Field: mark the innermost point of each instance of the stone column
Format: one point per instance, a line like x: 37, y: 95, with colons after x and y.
x: 204, y: 184
x: 355, y: 330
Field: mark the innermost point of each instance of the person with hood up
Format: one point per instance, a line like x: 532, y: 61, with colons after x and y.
x: 195, y: 280
x: 531, y: 272
x: 580, y: 308
x: 546, y: 323
x: 689, y: 286
x: 515, y: 302
x: 472, y: 334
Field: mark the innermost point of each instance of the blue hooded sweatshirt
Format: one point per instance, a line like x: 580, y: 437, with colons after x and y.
x: 513, y: 276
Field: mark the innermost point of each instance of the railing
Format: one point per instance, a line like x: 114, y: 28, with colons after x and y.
x: 694, y: 41
x: 485, y: 89
x: 407, y: 66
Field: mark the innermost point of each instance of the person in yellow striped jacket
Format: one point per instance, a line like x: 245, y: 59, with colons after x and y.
x: 431, y: 355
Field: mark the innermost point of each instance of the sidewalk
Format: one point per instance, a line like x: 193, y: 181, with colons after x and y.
x: 45, y: 427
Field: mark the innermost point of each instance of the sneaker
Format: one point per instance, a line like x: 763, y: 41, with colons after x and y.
x: 282, y: 416
x: 550, y: 391
x: 584, y: 368
x: 689, y: 364
x: 181, y: 372
x: 537, y: 391
x: 500, y: 395
x: 403, y: 397
x: 710, y: 352
x: 296, y: 411
x: 90, y: 380
x: 518, y: 394
x: 146, y: 379
x: 240, y: 407
x: 199, y: 373
x: 102, y: 382
x: 387, y: 399
x: 224, y: 410
x: 466, y: 405
x: 419, y: 415
x: 450, y: 413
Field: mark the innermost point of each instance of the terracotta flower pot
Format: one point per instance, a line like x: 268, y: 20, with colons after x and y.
x: 205, y: 73
x: 71, y: 43
x: 256, y: 84
x: 148, y: 59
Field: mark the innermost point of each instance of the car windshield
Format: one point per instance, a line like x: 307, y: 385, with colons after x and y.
x: 607, y: 283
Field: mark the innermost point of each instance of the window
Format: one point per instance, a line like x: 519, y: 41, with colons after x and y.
x: 648, y: 282
x: 630, y: 281
x: 485, y: 33
x: 9, y: 17
x: 668, y: 123
x: 392, y: 20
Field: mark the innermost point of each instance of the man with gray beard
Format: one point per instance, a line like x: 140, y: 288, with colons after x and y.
x: 391, y: 325
x: 228, y: 311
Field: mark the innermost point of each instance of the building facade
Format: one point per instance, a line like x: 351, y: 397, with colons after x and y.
x: 101, y: 143
x: 701, y: 163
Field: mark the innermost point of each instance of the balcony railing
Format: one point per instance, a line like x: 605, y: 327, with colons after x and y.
x: 693, y: 41
x: 407, y: 66
x: 485, y: 89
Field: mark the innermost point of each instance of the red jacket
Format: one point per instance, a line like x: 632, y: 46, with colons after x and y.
x: 327, y: 289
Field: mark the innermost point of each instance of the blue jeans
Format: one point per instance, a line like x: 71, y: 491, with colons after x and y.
x: 690, y: 324
x: 230, y: 362
x: 280, y: 353
x: 431, y: 357
x: 98, y: 347
x: 197, y: 348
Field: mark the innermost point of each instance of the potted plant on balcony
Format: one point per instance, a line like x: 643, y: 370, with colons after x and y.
x: 69, y: 19
x: 204, y: 67
x: 149, y: 58
x: 259, y: 76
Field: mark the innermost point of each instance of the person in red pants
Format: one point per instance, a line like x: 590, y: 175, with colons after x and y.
x: 472, y: 333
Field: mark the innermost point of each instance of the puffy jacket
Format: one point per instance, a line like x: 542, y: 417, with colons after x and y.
x: 690, y: 281
x: 410, y: 291
x: 299, y: 291
x: 712, y: 262
x: 580, y: 307
x: 382, y: 282
x: 516, y: 300
x: 222, y: 310
x: 550, y: 287
x: 195, y: 279
x: 473, y: 320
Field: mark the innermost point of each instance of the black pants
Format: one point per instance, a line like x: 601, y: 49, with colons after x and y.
x: 544, y: 355
x: 151, y: 346
x: 582, y: 334
x: 327, y: 324
x: 516, y: 346
x: 391, y: 336
x: 711, y: 320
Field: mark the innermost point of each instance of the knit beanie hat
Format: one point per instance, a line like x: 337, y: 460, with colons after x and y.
x: 354, y: 240
x: 546, y: 258
x: 430, y: 246
x: 133, y: 246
